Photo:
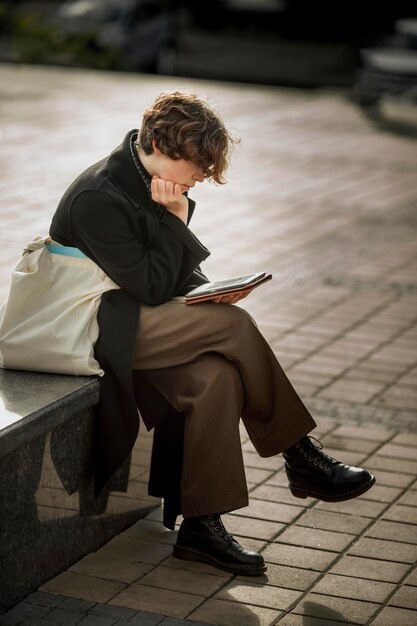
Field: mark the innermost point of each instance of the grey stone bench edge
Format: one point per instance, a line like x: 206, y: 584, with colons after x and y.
x: 78, y: 393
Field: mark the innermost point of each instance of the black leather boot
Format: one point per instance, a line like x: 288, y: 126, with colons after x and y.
x: 206, y: 539
x: 312, y: 472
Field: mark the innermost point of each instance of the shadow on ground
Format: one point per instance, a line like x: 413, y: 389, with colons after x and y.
x: 320, y: 611
x: 402, y: 128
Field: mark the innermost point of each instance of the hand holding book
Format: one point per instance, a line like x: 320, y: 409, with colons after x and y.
x: 240, y: 286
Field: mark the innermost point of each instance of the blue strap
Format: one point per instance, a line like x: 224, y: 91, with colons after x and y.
x: 66, y: 251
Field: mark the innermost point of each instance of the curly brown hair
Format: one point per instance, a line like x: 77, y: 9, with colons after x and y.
x: 184, y: 126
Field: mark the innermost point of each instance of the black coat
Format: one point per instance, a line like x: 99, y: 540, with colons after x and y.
x: 152, y: 256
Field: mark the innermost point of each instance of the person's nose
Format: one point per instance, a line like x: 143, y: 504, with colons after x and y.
x: 199, y: 176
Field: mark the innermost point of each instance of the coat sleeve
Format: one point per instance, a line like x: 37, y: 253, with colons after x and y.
x: 152, y: 274
x: 196, y: 279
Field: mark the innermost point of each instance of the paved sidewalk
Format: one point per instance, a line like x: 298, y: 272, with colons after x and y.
x: 325, y: 199
x: 328, y: 564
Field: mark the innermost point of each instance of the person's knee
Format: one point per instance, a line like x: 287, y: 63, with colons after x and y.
x: 245, y: 318
x: 216, y: 384
x: 236, y: 319
x: 220, y: 374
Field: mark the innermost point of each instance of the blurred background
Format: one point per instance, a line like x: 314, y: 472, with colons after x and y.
x: 367, y: 47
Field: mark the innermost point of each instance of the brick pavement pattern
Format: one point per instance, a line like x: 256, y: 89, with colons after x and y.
x: 325, y: 198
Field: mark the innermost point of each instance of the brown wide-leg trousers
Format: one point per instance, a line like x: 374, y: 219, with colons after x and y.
x: 211, y: 362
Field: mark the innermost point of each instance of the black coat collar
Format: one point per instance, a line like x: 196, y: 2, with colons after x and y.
x: 125, y: 175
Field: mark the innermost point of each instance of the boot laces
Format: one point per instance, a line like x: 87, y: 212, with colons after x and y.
x: 314, y: 453
x: 217, y: 524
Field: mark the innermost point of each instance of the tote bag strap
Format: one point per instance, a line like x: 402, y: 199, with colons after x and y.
x: 53, y: 248
x: 66, y: 251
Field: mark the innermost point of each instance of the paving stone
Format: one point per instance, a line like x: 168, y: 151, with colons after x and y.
x: 400, y: 513
x: 285, y: 577
x: 252, y: 459
x: 338, y: 609
x: 350, y: 443
x: 412, y: 578
x: 406, y: 439
x: 363, y: 508
x: 356, y: 588
x: 23, y: 611
x: 196, y: 567
x: 406, y: 597
x: 272, y: 511
x: 83, y: 587
x: 258, y: 595
x: 170, y: 621
x: 146, y: 619
x: 134, y: 549
x: 325, y: 426
x: 296, y: 556
x: 256, y: 475
x: 381, y: 493
x: 326, y: 367
x: 396, y: 398
x: 274, y: 494
x: 44, y: 599
x: 248, y: 446
x: 43, y: 621
x: 339, y: 522
x: 248, y: 527
x: 151, y: 531
x: 96, y: 620
x: 153, y: 600
x: 410, y: 498
x: 395, y: 531
x: 61, y: 617
x: 367, y: 433
x: 372, y: 569
x: 279, y: 479
x: 180, y: 580
x: 390, y: 616
x: 114, y: 612
x: 398, y: 451
x: 292, y: 619
x: 315, y: 538
x: 392, y: 465
x: 385, y: 550
x: 396, y: 479
x: 354, y: 391
x: 110, y: 567
x: 225, y: 613
x: 72, y: 604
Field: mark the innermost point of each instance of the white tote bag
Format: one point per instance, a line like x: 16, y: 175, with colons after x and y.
x: 49, y: 321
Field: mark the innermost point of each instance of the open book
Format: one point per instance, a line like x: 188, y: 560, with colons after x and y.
x: 241, y: 284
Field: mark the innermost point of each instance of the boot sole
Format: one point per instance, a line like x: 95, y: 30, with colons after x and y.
x: 189, y: 554
x: 300, y: 493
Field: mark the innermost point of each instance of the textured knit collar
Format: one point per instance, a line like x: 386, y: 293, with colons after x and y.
x: 126, y: 175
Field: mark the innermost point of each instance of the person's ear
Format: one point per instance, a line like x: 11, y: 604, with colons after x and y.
x: 155, y: 148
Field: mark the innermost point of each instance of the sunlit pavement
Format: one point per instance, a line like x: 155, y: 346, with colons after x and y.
x: 323, y: 196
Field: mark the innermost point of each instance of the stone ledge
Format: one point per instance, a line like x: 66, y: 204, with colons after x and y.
x: 47, y: 426
x: 25, y: 397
